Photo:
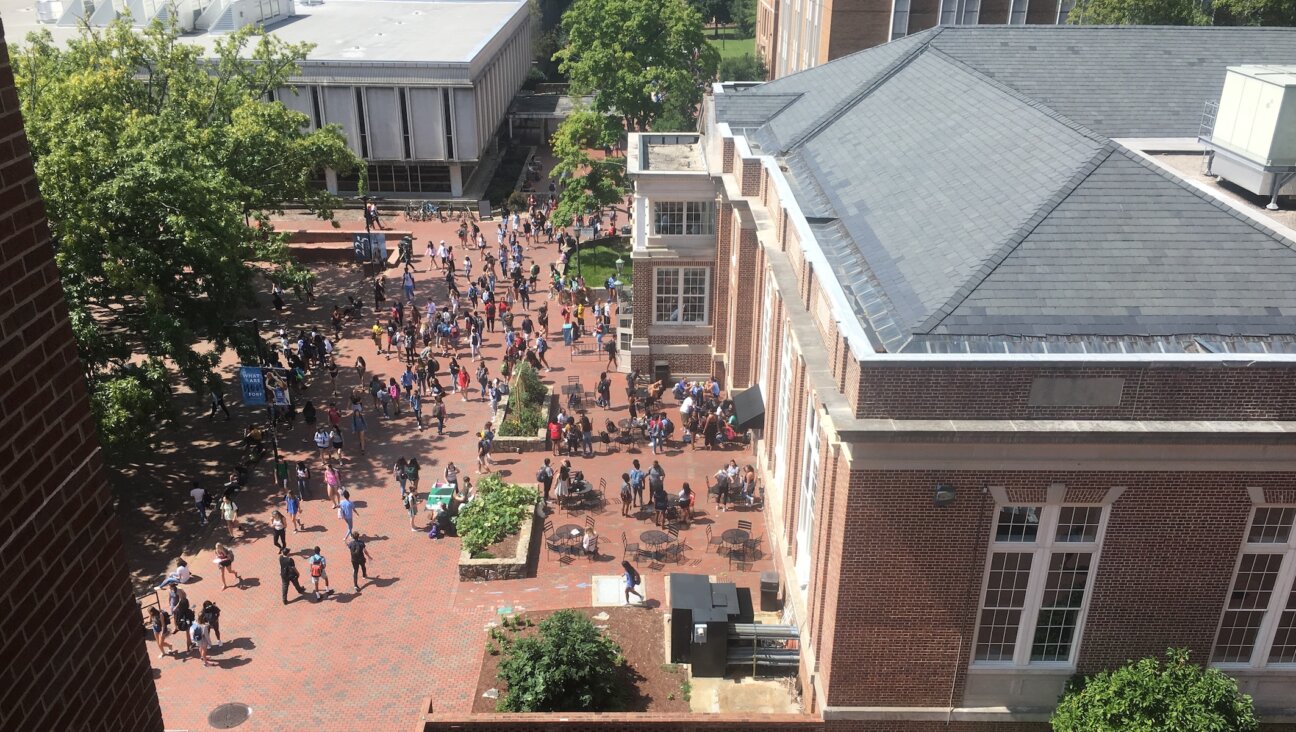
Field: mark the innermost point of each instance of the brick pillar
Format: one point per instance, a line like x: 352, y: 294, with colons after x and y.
x: 721, y: 308
x: 744, y: 303
x: 59, y: 511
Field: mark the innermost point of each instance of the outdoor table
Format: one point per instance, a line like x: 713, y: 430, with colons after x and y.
x: 734, y: 537
x: 569, y: 535
x: 654, y: 539
x: 441, y: 492
x: 570, y: 389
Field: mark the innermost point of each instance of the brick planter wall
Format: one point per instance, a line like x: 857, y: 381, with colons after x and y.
x: 622, y: 722
x: 502, y: 568
x: 519, y: 444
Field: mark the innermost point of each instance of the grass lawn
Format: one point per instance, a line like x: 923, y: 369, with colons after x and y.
x: 733, y: 47
x: 598, y: 260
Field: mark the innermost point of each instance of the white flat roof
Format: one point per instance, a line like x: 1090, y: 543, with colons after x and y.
x: 350, y: 31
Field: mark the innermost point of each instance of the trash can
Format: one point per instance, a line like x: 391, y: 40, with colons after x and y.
x: 567, y: 334
x: 769, y: 587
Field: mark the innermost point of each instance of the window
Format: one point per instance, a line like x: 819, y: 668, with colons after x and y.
x: 809, y: 489
x: 1038, y: 576
x: 678, y: 218
x: 784, y: 419
x: 682, y: 295
x: 1258, y: 626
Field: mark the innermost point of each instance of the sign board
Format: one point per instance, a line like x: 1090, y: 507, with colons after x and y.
x: 253, y: 385
x: 363, y: 246
x: 483, y: 210
x: 280, y: 396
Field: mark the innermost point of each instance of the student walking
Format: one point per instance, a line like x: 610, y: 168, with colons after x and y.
x: 225, y: 560
x: 347, y: 512
x: 358, y: 426
x: 210, y: 617
x: 632, y: 580
x: 288, y: 574
x: 278, y: 526
x: 359, y: 558
x: 303, y: 480
x: 292, y: 504
x: 332, y: 482
x: 319, y: 571
x: 160, y: 631
x: 229, y: 512
x: 198, y: 638
x: 200, y: 501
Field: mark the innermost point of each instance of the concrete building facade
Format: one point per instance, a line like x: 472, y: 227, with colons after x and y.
x: 795, y: 35
x: 61, y: 551
x: 1028, y: 394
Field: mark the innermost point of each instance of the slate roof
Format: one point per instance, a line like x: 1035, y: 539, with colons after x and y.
x: 963, y: 212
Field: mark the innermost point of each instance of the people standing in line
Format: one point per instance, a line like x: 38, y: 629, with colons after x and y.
x: 288, y: 574
x: 630, y: 576
x: 225, y: 560
x: 160, y: 631
x: 319, y: 571
x: 229, y: 512
x: 210, y: 617
x: 359, y: 559
x: 347, y: 511
x: 278, y: 526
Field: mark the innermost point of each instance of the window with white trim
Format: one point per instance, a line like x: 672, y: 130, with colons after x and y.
x: 682, y: 295
x: 678, y: 218
x: 1258, y: 627
x: 1038, y: 579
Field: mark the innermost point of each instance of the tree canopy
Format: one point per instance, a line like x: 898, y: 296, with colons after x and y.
x: 1149, y: 696
x: 593, y: 182
x: 644, y: 60
x: 1138, y: 12
x: 569, y: 665
x: 159, y: 168
x: 1255, y: 12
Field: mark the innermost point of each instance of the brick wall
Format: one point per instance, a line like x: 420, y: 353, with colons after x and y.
x: 58, y: 521
x: 750, y: 183
x: 1149, y: 392
x: 912, y: 574
x: 1040, y: 12
x: 613, y: 722
x: 856, y: 25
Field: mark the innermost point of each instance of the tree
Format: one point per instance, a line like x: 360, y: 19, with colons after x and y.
x: 742, y: 68
x: 1256, y: 12
x: 1139, y: 12
x: 639, y: 58
x: 593, y: 182
x: 743, y: 13
x: 159, y: 169
x: 1147, y: 696
x: 567, y: 666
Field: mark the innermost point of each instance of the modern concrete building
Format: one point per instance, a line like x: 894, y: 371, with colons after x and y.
x: 1029, y: 389
x: 420, y: 88
x: 795, y: 35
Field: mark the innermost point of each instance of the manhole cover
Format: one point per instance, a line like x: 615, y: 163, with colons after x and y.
x: 228, y: 716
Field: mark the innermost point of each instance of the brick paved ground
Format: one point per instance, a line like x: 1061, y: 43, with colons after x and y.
x: 365, y: 662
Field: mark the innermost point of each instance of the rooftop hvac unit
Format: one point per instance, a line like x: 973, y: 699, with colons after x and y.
x: 1252, y: 138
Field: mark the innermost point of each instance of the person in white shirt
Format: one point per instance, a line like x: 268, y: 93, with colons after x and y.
x: 200, y: 502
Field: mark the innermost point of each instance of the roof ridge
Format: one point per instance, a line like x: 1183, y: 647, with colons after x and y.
x: 1014, y: 241
x: 827, y: 118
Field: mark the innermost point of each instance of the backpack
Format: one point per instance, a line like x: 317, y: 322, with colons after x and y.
x: 316, y: 568
x: 357, y: 552
x: 634, y: 577
x: 540, y: 475
x: 196, y: 633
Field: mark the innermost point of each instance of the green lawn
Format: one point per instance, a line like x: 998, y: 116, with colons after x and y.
x: 733, y: 47
x: 598, y: 261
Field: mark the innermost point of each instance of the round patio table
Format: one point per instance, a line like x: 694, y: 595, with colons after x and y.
x: 569, y: 535
x: 734, y: 538
x: 654, y: 540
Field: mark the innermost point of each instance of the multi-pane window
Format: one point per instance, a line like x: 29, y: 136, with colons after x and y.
x: 677, y: 218
x: 1258, y: 626
x: 681, y: 295
x: 1040, y: 570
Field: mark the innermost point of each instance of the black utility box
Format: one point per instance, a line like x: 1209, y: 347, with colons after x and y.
x: 701, y: 612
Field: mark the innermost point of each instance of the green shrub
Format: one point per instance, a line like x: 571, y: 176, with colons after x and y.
x: 498, y: 510
x: 1149, y: 696
x: 568, y: 665
x: 528, y: 407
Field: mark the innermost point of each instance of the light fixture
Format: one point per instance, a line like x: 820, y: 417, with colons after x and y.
x: 944, y: 494
x: 620, y: 266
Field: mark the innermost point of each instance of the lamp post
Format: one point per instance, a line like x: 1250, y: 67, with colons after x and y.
x: 620, y: 267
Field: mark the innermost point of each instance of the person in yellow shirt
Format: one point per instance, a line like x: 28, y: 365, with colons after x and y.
x: 377, y: 331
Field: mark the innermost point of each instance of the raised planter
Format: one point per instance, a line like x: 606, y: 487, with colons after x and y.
x: 537, y: 443
x: 504, y: 568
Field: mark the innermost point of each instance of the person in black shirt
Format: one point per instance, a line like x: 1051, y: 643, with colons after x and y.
x: 288, y: 574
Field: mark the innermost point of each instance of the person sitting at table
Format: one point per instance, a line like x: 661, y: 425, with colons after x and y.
x: 441, y: 519
x: 590, y: 544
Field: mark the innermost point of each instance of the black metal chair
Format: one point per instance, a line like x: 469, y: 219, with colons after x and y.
x: 549, y: 539
x: 628, y: 549
x: 713, y: 541
x: 675, y: 548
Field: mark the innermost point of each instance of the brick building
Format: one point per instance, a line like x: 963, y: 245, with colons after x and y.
x: 61, y: 552
x: 1029, y: 389
x: 795, y: 35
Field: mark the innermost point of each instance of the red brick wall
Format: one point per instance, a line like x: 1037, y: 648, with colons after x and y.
x: 58, y: 522
x: 1150, y: 392
x: 575, y: 722
x: 911, y: 574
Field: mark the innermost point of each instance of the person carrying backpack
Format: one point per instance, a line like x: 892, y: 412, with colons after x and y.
x: 632, y: 580
x: 545, y: 476
x: 318, y: 571
x: 359, y: 556
x: 198, y: 638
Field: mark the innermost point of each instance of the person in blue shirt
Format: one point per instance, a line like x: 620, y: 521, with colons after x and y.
x: 347, y: 511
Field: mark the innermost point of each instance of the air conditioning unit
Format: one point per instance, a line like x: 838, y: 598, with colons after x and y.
x: 1253, y: 136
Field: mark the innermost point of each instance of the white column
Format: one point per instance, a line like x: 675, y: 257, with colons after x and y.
x: 330, y: 180
x: 456, y: 179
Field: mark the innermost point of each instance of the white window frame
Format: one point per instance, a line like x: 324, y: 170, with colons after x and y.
x: 767, y: 336
x: 680, y: 295
x: 1263, y: 645
x: 809, y: 494
x: 782, y: 415
x: 695, y: 218
x: 1042, y: 549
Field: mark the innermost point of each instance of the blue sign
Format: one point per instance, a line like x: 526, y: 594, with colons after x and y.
x: 253, y: 386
